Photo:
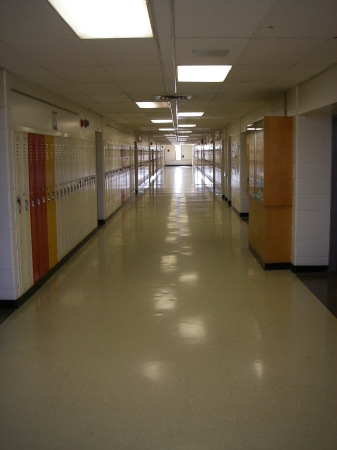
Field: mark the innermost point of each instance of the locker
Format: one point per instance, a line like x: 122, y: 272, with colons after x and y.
x: 122, y: 174
x: 51, y: 200
x: 23, y: 212
x: 33, y: 205
x: 42, y: 221
x: 59, y: 195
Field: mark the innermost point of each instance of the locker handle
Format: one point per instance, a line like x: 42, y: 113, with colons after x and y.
x: 53, y: 195
x: 26, y: 204
x: 18, y: 201
x: 43, y: 199
x: 57, y: 194
x: 48, y: 197
x: 33, y: 203
x: 38, y: 201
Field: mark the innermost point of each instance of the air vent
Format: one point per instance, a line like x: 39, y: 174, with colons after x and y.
x: 167, y: 98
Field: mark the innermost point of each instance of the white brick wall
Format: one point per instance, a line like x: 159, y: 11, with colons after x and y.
x: 311, y: 196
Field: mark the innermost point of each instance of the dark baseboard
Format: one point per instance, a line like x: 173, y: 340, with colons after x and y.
x: 243, y: 215
x: 309, y: 269
x: 14, y: 304
x: 270, y: 266
x: 229, y: 203
x: 117, y: 211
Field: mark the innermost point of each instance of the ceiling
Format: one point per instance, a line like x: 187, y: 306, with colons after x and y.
x: 272, y: 45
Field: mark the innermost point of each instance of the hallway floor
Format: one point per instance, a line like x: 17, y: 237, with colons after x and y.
x: 163, y: 332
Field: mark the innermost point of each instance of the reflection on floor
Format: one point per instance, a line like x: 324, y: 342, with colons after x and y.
x: 164, y: 332
x: 324, y: 286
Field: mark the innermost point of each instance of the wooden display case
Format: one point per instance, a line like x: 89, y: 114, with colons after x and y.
x: 269, y: 185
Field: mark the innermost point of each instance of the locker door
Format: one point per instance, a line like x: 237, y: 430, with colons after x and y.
x: 58, y: 187
x: 42, y: 222
x: 122, y: 175
x: 28, y: 266
x: 22, y: 213
x: 33, y: 205
x: 51, y: 201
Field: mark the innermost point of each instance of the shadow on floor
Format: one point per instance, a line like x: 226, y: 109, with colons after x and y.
x: 5, y: 313
x: 324, y: 286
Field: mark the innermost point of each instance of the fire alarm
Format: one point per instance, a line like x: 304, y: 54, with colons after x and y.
x: 84, y: 123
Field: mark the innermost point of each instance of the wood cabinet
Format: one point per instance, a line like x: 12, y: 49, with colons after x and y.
x: 269, y: 184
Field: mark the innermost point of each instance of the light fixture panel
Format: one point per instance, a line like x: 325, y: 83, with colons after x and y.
x: 106, y: 19
x: 153, y: 105
x: 190, y: 114
x: 202, y: 74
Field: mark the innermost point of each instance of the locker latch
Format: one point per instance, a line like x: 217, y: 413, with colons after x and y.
x: 18, y: 201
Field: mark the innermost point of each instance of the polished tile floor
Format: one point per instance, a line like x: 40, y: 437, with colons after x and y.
x: 164, y: 333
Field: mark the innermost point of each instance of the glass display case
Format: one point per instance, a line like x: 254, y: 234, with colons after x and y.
x: 269, y: 185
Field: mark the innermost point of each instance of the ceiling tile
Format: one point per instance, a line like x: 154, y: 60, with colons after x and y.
x: 279, y: 51
x: 187, y: 50
x: 324, y: 55
x: 98, y: 88
x: 13, y: 59
x: 254, y: 73
x: 141, y: 88
x: 300, y: 18
x: 131, y: 74
x: 125, y: 52
x: 31, y: 20
x: 216, y: 18
x: 296, y: 74
x: 56, y: 53
x: 110, y: 98
x: 82, y: 74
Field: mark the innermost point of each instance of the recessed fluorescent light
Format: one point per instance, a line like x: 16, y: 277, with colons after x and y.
x: 184, y: 132
x: 203, y: 74
x: 152, y: 104
x: 161, y: 120
x: 190, y: 114
x: 186, y: 125
x: 166, y: 129
x: 106, y: 19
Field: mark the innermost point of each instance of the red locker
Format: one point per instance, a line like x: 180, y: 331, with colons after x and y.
x: 42, y: 220
x: 33, y: 204
x: 122, y: 176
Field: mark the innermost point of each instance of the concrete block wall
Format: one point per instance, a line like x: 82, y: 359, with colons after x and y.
x: 311, y: 190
